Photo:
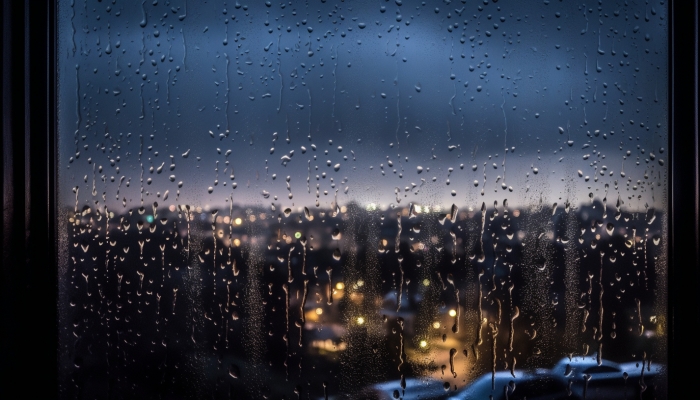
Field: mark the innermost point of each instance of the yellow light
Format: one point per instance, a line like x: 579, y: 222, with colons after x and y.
x: 417, y: 209
x: 423, y: 343
x: 236, y: 242
x: 360, y: 320
x: 436, y: 325
x: 360, y: 283
x: 340, y: 286
x: 426, y: 282
x: 238, y: 221
x: 251, y: 218
x: 452, y: 313
x: 660, y: 326
x: 227, y: 219
x: 319, y: 311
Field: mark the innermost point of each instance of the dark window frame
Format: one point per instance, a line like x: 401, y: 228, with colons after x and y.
x: 28, y: 274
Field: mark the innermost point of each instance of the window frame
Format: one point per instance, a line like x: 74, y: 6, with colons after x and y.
x: 29, y: 275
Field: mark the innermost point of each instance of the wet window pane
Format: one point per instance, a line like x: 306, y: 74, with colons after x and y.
x: 386, y: 199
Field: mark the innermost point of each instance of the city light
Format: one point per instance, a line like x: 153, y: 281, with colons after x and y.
x: 319, y: 311
x: 340, y: 286
x: 423, y: 343
x: 426, y: 282
x: 328, y: 345
x: 436, y: 325
x: 356, y: 297
x: 360, y: 320
x: 452, y: 313
x: 238, y: 221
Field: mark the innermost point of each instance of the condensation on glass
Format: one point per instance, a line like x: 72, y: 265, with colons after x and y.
x: 362, y: 199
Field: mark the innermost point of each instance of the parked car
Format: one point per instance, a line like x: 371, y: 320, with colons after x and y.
x: 416, y: 389
x: 591, y: 378
x: 540, y: 384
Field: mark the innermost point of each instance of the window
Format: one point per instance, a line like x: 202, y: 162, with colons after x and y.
x: 331, y: 199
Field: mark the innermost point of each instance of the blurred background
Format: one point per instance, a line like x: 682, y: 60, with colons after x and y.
x: 362, y: 199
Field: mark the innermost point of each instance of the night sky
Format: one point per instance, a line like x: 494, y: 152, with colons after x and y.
x: 366, y: 89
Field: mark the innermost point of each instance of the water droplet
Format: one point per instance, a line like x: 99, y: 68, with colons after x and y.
x: 609, y: 228
x: 234, y: 371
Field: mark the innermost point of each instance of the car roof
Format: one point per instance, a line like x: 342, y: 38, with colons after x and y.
x: 579, y: 362
x: 583, y: 361
x: 415, y: 388
x: 483, y: 385
x: 419, y: 382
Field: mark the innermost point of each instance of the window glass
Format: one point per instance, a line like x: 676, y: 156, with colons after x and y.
x: 334, y: 199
